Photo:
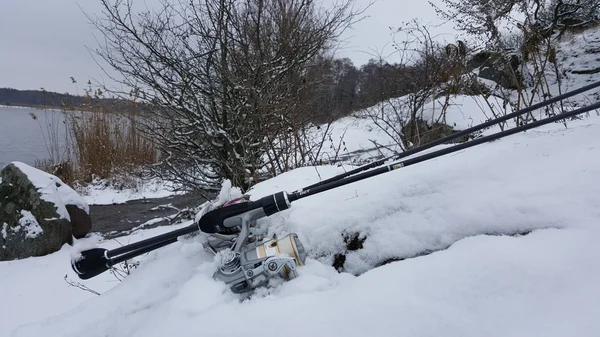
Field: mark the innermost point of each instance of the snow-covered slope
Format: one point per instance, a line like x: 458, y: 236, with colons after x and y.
x: 578, y: 55
x: 374, y: 132
x: 477, y: 282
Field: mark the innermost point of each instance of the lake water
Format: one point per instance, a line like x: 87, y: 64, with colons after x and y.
x: 24, y: 139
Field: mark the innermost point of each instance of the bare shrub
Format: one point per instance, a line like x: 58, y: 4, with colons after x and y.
x: 229, y: 85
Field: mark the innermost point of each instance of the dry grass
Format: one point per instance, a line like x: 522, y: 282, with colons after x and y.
x: 106, y: 144
x: 101, y: 144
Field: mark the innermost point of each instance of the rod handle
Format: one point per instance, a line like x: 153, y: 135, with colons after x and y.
x: 91, y: 263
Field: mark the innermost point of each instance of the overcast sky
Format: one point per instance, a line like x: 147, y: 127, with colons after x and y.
x: 43, y: 42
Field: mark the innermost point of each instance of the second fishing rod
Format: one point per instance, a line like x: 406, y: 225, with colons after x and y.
x: 455, y: 135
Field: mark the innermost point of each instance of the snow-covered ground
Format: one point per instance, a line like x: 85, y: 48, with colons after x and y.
x: 479, y: 280
x: 373, y: 133
x: 104, y: 193
x: 35, y: 289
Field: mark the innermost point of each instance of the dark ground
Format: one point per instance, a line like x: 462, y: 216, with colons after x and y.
x: 114, y: 220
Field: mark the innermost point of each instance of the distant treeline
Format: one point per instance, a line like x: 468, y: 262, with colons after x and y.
x: 343, y: 89
x: 9, y: 96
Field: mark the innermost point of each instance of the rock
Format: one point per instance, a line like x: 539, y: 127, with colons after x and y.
x: 418, y: 132
x: 81, y: 222
x: 35, y: 213
x: 479, y: 59
x: 502, y: 69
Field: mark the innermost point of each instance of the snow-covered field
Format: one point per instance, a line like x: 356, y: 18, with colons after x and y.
x: 479, y: 280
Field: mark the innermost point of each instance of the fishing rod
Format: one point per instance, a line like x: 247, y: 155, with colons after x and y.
x: 247, y: 264
x: 456, y: 135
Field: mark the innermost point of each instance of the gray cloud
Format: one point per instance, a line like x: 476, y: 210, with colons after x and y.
x: 43, y: 43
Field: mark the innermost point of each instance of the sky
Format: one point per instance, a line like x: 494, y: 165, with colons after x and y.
x: 44, y: 43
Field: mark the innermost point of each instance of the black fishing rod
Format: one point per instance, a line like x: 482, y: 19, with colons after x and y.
x: 97, y: 260
x: 456, y: 135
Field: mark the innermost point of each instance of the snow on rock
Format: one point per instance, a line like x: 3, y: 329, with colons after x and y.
x: 465, y: 208
x: 53, y: 190
x: 29, y: 224
x: 4, y: 232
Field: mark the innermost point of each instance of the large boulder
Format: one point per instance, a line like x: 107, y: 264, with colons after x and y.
x: 38, y: 213
x: 418, y: 132
x: 500, y: 68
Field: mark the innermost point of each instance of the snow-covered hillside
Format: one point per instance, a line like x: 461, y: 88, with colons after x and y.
x: 374, y: 133
x: 578, y: 54
x: 506, y: 233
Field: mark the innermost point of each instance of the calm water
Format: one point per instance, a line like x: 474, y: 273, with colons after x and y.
x: 24, y: 139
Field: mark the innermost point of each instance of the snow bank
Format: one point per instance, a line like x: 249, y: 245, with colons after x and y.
x: 578, y: 54
x: 53, y: 190
x: 35, y: 288
x: 352, y: 136
x: 543, y: 284
x: 483, y: 283
x: 525, y: 182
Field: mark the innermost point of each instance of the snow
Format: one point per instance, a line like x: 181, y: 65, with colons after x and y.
x: 352, y: 137
x: 463, y: 111
x: 29, y: 224
x: 468, y: 210
x: 102, y: 193
x: 34, y: 289
x: 374, y: 132
x: 431, y: 205
x: 578, y: 52
x: 53, y: 190
x: 575, y: 52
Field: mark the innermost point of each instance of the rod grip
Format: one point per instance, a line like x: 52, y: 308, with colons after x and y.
x: 91, y: 263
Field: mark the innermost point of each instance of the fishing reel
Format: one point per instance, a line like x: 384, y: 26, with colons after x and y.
x: 247, y: 261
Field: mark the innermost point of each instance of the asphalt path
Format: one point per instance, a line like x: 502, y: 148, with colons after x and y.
x: 119, y: 219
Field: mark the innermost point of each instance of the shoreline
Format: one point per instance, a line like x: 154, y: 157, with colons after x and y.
x: 40, y: 107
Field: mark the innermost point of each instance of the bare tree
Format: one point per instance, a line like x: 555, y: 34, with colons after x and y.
x: 420, y: 77
x: 226, y: 83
